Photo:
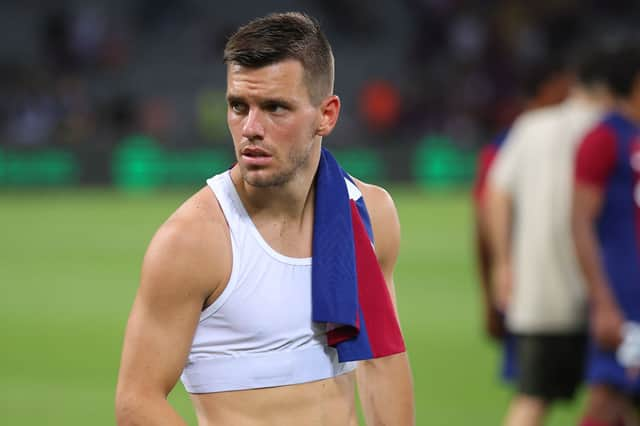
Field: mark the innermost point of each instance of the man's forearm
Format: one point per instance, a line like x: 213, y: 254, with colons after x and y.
x: 136, y: 410
x: 499, y: 225
x: 492, y: 320
x: 500, y: 222
x: 385, y: 387
x: 483, y: 255
x: 589, y: 258
x: 606, y: 318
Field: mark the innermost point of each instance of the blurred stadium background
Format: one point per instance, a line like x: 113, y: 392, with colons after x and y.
x: 112, y: 113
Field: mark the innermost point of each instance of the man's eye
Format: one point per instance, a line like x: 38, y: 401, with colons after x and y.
x: 237, y: 107
x: 274, y: 107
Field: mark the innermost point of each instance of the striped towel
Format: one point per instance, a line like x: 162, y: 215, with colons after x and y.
x: 349, y: 291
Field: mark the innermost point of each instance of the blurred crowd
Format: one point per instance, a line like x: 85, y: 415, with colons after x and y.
x: 90, y: 73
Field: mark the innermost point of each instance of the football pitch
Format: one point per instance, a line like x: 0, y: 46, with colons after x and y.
x: 69, y: 265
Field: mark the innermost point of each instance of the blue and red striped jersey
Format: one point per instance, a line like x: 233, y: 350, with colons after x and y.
x: 609, y: 158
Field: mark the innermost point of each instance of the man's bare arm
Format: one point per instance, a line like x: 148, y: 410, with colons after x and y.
x: 494, y: 326
x: 606, y: 318
x: 175, y: 284
x: 385, y: 384
x: 493, y: 321
x: 500, y: 222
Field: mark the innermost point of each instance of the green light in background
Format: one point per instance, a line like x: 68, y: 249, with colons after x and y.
x: 138, y: 163
x: 439, y: 164
x: 364, y: 164
x: 141, y: 164
x: 43, y: 167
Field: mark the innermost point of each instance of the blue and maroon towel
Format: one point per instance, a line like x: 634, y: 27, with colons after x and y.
x: 349, y: 291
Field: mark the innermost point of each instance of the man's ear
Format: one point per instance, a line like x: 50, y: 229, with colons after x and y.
x: 329, y: 112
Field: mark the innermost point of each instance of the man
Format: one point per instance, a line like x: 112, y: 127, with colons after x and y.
x: 226, y: 291
x: 606, y: 224
x: 535, y: 275
x: 545, y: 84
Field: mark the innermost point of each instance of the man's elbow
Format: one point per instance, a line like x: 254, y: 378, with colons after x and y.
x: 128, y: 409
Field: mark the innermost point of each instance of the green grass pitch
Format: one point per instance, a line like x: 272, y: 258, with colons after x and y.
x: 69, y: 265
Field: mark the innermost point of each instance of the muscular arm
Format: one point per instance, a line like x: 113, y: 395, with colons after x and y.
x: 385, y: 384
x: 606, y: 320
x: 175, y: 284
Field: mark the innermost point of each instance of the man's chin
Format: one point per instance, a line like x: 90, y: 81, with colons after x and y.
x: 261, y: 179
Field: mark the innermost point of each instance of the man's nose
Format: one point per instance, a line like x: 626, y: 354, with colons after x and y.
x: 253, y: 128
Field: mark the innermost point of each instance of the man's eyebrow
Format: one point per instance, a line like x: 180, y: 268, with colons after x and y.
x: 277, y: 101
x: 234, y: 98
x: 262, y: 101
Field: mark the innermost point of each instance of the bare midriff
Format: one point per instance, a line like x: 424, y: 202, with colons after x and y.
x: 328, y: 402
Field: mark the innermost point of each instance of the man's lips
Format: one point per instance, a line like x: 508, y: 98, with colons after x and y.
x: 254, y: 152
x: 254, y: 156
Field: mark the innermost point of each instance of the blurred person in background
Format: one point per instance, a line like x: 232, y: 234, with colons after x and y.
x: 536, y: 280
x: 228, y: 296
x: 547, y: 83
x: 606, y: 224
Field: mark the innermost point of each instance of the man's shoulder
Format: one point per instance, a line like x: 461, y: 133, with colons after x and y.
x: 195, y: 234
x: 198, y: 214
x: 532, y: 126
x: 375, y: 197
x: 384, y: 221
x: 539, y: 117
x: 189, y: 256
x: 381, y: 208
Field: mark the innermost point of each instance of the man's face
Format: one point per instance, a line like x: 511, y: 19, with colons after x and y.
x: 272, y: 121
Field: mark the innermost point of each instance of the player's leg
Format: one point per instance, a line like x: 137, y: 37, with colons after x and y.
x: 550, y: 367
x: 605, y: 406
x: 528, y: 406
x: 525, y: 410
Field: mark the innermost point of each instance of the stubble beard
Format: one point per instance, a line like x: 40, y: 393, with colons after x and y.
x: 296, y: 161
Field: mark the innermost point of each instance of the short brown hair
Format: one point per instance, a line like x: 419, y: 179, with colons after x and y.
x: 280, y: 36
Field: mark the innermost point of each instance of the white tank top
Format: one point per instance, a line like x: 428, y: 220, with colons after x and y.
x: 258, y: 333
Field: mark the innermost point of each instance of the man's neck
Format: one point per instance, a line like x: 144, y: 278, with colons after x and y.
x: 290, y: 199
x: 594, y: 96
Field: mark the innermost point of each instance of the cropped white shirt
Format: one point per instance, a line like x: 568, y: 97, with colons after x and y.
x: 259, y: 332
